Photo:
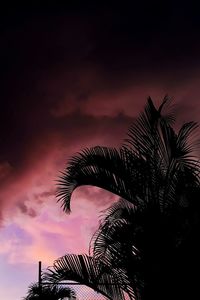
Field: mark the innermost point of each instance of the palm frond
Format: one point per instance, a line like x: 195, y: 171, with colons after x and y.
x: 185, y: 145
x: 85, y: 270
x: 102, y: 167
x: 114, y: 244
x: 143, y: 131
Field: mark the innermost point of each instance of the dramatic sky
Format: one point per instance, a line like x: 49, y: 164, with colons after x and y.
x: 74, y: 77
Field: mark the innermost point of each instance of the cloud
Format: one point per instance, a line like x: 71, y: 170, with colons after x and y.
x: 26, y: 210
x: 33, y: 168
x: 51, y: 233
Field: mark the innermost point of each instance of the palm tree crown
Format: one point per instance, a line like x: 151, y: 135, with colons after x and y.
x: 146, y: 238
x: 149, y: 168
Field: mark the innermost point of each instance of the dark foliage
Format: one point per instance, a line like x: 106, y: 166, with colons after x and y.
x: 49, y: 292
x: 148, y: 241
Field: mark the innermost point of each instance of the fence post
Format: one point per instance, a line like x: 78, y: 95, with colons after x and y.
x: 40, y: 279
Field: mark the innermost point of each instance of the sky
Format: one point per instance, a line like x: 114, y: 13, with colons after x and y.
x: 71, y: 77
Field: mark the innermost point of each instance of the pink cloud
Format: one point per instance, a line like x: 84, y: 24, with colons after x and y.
x: 51, y: 233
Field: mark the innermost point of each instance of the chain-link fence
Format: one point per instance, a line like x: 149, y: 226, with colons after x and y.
x: 85, y: 293
x: 82, y: 292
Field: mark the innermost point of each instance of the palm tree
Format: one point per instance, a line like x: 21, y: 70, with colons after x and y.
x: 49, y: 292
x: 150, y: 250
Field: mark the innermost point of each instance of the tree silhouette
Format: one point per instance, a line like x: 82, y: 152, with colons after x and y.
x: 148, y: 241
x: 49, y: 292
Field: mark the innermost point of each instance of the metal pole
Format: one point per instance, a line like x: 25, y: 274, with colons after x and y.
x: 40, y: 279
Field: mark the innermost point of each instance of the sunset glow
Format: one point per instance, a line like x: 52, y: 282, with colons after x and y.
x: 73, y: 79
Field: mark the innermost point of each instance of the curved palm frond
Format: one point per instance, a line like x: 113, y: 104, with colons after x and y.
x: 102, y: 167
x: 184, y: 144
x: 85, y: 270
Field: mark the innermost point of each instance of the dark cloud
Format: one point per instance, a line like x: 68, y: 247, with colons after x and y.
x: 72, y: 77
x: 5, y: 170
x: 24, y: 209
x: 135, y: 39
x: 44, y: 196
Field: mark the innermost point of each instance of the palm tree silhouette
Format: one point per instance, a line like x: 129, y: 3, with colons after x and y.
x: 147, y: 242
x: 49, y: 292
